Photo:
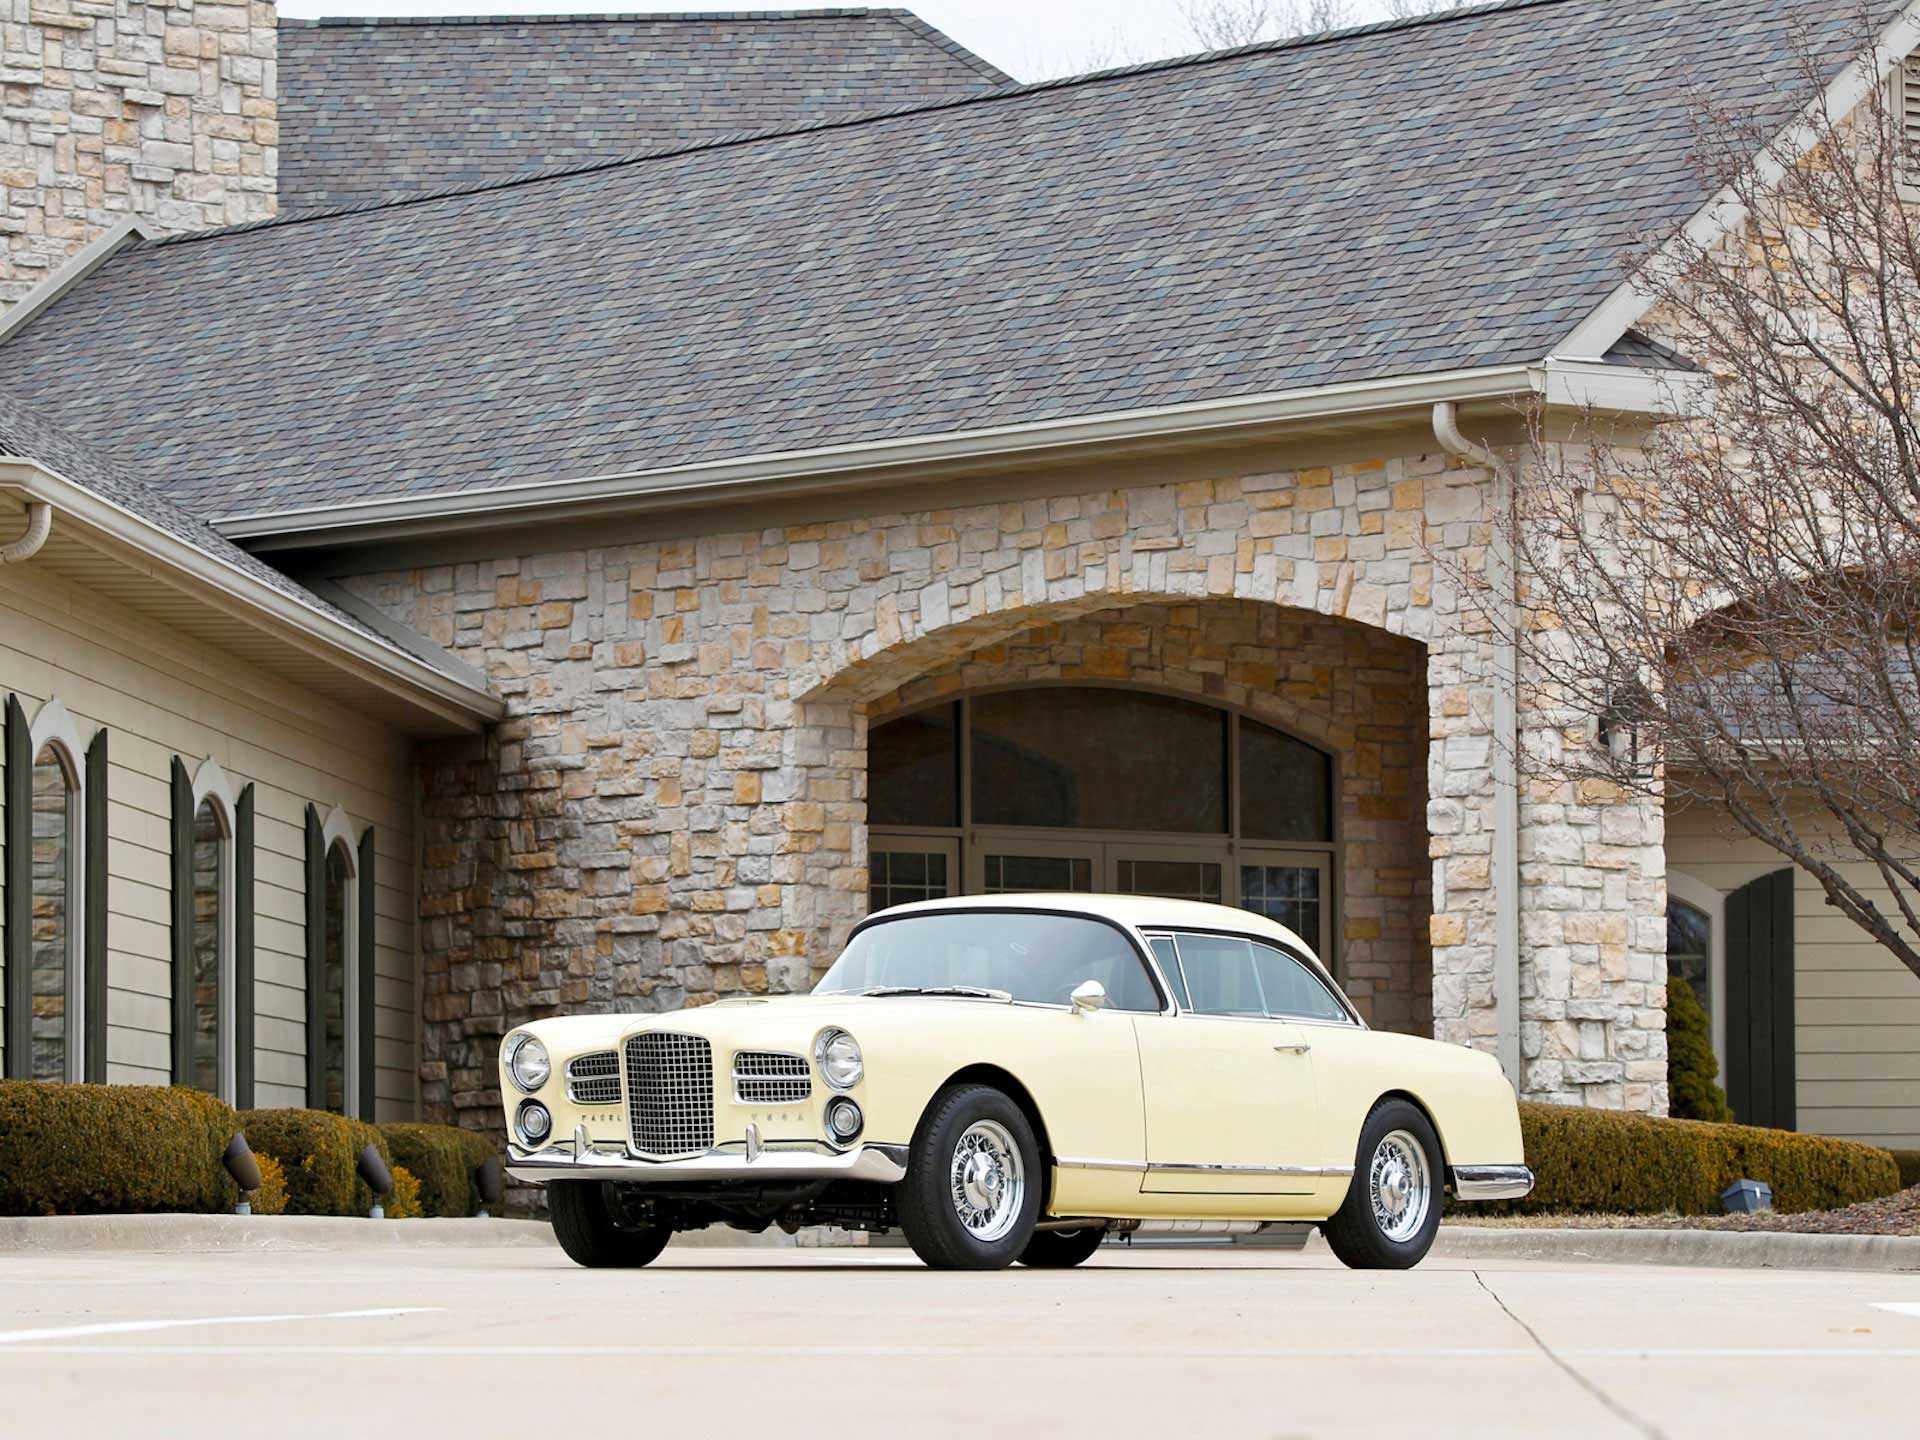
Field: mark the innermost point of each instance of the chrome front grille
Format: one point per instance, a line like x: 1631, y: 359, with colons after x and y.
x: 594, y: 1079
x: 670, y: 1093
x: 771, y: 1077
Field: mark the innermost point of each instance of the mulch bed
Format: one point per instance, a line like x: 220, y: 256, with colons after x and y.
x: 1897, y: 1214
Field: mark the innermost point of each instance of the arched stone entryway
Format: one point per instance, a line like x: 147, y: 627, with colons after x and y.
x: 1271, y: 675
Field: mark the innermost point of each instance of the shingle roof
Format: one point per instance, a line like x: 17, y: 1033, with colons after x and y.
x: 371, y: 107
x: 1405, y: 200
x: 27, y: 434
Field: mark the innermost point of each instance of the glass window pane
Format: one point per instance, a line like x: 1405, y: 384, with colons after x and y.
x: 913, y: 769
x: 1038, y: 874
x: 896, y: 877
x: 1169, y: 958
x: 1170, y: 879
x: 1100, y: 760
x: 1220, y: 975
x: 1292, y: 989
x: 1033, y: 957
x: 333, y: 985
x: 1286, y: 787
x: 53, y: 917
x: 1690, y: 949
x: 1289, y: 895
x: 207, y: 840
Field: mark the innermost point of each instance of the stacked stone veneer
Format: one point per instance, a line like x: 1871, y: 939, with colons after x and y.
x: 675, y: 808
x: 112, y: 108
x: 1351, y: 689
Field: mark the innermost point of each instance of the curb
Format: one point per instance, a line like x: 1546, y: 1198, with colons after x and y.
x: 1706, y: 1249
x: 199, y: 1234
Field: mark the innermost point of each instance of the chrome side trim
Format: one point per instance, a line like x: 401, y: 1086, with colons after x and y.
x: 1137, y: 1167
x: 1492, y: 1182
x: 882, y: 1164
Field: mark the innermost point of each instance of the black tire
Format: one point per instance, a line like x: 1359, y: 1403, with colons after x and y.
x: 1062, y: 1249
x: 927, y: 1208
x: 585, y: 1229
x: 1355, y: 1233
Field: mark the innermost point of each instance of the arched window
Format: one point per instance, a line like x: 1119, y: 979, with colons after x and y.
x: 1696, y: 949
x: 212, y: 991
x: 1092, y: 787
x: 54, y: 935
x: 340, y: 951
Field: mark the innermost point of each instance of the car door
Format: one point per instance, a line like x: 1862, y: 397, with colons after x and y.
x: 1229, y: 1092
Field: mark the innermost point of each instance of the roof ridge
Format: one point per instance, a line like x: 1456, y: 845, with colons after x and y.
x: 846, y: 12
x: 1014, y: 91
x: 940, y: 40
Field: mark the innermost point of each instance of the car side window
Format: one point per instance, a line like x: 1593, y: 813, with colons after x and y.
x: 1220, y: 975
x: 1292, y: 990
x: 1169, y: 957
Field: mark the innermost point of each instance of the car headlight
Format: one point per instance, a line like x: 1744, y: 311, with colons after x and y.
x: 838, y: 1055
x: 528, y: 1062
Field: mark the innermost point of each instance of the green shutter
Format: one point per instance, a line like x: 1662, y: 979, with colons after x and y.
x: 316, y: 959
x: 16, y: 942
x: 1760, y: 1002
x: 363, y: 963
x: 182, y: 923
x: 243, y: 952
x: 94, y: 937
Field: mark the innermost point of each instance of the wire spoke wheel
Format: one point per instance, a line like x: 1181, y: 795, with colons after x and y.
x: 987, y: 1180
x: 1399, y: 1186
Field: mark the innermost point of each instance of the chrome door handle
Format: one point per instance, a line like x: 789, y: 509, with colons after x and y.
x: 1294, y: 1047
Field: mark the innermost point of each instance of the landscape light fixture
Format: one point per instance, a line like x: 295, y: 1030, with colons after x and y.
x: 1747, y: 1197
x: 374, y: 1171
x: 245, y: 1171
x: 486, y: 1179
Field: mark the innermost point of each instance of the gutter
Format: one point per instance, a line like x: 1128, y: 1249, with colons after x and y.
x: 300, y: 622
x: 1504, y: 761
x: 39, y: 526
x: 1574, y: 384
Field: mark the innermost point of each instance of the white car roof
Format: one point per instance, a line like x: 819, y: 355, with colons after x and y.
x: 1140, y: 912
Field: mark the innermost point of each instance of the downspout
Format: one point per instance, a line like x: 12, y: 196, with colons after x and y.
x: 39, y: 526
x: 1504, y: 759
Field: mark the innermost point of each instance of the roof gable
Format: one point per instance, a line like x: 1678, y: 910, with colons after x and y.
x: 1411, y: 199
x: 374, y: 107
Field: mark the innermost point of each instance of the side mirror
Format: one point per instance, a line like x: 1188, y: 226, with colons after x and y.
x: 1088, y: 996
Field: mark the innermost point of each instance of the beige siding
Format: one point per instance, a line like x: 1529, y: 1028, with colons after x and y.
x: 160, y: 696
x: 1856, y: 1008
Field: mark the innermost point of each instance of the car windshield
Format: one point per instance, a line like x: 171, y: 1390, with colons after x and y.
x: 1021, y: 955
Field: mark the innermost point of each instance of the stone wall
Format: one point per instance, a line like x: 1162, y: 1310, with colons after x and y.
x: 161, y: 109
x: 1351, y: 689
x: 675, y: 808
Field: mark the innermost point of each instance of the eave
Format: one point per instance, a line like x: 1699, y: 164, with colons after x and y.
x: 1566, y: 385
x: 120, y: 555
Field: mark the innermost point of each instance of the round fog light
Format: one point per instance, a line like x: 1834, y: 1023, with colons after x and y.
x: 533, y: 1122
x: 844, y: 1121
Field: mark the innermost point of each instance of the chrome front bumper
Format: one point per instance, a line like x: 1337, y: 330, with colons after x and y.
x: 1492, y: 1182
x: 883, y: 1164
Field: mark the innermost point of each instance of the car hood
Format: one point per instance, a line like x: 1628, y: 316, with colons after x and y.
x: 775, y: 1022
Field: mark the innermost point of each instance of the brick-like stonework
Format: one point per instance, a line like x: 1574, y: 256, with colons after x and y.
x: 1351, y: 689
x: 119, y: 108
x: 675, y: 808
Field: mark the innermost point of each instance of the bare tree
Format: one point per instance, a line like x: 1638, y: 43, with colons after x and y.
x: 1724, y: 610
x: 1224, y: 24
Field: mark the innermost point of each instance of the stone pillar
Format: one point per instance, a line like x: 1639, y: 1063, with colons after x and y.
x: 119, y: 108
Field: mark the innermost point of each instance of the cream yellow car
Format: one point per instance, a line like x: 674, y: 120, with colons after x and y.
x: 1015, y: 1078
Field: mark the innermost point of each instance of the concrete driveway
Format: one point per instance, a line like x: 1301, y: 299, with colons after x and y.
x: 784, y: 1344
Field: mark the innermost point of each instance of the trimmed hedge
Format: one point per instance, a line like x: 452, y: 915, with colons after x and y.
x: 320, y: 1153
x: 443, y: 1159
x: 112, y: 1149
x: 1610, y: 1163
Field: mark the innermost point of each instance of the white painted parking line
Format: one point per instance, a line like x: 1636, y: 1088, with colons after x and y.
x: 1052, y: 1354
x: 1901, y: 1307
x: 126, y: 1327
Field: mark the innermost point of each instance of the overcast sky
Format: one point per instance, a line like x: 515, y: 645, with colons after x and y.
x: 1026, y: 38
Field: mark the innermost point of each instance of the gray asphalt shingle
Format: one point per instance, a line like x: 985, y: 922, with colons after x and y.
x: 373, y: 107
x: 1405, y: 200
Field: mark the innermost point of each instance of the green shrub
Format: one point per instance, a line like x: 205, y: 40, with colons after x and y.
x: 1610, y: 1162
x: 1909, y: 1163
x: 320, y: 1153
x: 1692, y: 1069
x: 404, y: 1202
x: 112, y: 1149
x: 443, y: 1158
x: 271, y: 1197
